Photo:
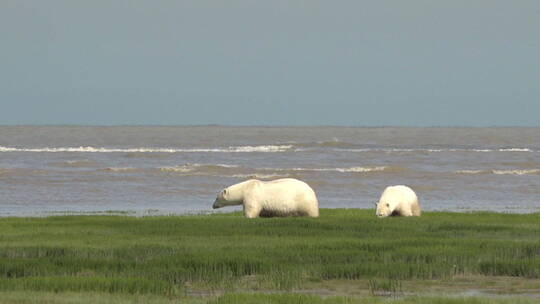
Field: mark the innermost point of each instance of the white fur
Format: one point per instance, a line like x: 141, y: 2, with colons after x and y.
x: 398, y: 200
x: 281, y: 197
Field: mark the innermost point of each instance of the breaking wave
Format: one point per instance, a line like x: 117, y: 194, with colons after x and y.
x: 233, y: 149
x: 201, y: 168
x: 120, y: 169
x: 259, y: 176
x: 515, y: 150
x: 288, y: 147
x: 470, y: 171
x: 401, y: 150
x: 269, y: 148
x: 342, y: 170
x: 182, y: 169
x: 501, y: 172
x: 517, y: 172
x: 244, y: 172
x: 353, y: 148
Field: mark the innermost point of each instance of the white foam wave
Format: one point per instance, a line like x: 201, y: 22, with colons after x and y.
x: 469, y: 171
x: 342, y: 170
x: 120, y: 169
x: 197, y: 167
x: 501, y: 172
x: 361, y: 169
x: 212, y: 165
x: 516, y: 172
x: 233, y: 149
x: 399, y: 150
x: 258, y: 176
x: 268, y: 148
x: 182, y: 169
x: 515, y: 150
x: 241, y: 172
x: 241, y: 149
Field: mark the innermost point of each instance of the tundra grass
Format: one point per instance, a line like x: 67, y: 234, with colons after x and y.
x: 92, y: 298
x: 313, y: 299
x: 179, y: 256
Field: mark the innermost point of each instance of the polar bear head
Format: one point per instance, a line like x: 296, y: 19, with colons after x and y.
x: 388, y: 202
x: 384, y: 209
x: 230, y: 196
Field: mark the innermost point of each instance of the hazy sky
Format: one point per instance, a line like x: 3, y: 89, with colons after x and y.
x: 451, y: 62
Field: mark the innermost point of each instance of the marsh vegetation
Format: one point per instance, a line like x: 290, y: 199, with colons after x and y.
x: 225, y: 258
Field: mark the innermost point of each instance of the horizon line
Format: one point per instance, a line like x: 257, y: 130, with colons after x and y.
x: 268, y: 126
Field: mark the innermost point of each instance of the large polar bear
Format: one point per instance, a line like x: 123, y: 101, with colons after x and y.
x: 398, y: 200
x: 281, y: 197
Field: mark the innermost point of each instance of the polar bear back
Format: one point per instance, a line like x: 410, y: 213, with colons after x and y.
x: 401, y: 200
x: 284, y: 197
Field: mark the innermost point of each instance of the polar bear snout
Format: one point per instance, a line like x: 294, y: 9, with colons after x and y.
x: 216, y: 204
x: 382, y: 209
x: 378, y: 211
x: 382, y: 214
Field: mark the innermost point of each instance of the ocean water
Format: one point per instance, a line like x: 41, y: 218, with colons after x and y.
x: 176, y: 170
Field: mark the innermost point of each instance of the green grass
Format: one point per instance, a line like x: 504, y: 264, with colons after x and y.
x: 92, y: 298
x: 313, y: 299
x: 173, y: 256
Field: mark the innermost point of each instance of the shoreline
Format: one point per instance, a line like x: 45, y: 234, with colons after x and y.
x: 160, y: 213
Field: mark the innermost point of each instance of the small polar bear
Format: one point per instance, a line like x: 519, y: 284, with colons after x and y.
x: 281, y: 197
x: 398, y: 200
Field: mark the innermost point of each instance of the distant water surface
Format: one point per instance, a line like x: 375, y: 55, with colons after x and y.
x: 176, y: 170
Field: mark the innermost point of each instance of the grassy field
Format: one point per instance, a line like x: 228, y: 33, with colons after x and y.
x: 345, y: 256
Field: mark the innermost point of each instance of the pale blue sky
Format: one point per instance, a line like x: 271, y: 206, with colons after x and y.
x: 453, y: 62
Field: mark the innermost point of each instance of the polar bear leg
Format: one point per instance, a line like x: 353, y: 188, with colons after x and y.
x: 406, y: 211
x: 313, y: 212
x: 251, y: 209
x: 415, y: 209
